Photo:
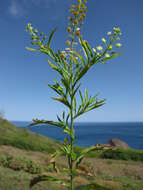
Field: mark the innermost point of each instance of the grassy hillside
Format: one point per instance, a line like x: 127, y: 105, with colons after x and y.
x: 24, y: 155
x: 22, y: 138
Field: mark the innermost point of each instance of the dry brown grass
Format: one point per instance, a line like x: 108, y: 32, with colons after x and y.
x: 113, y: 174
x: 115, y: 167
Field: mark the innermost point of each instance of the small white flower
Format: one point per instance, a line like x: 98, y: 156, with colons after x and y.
x: 103, y: 40
x: 107, y: 55
x: 100, y: 48
x: 67, y: 49
x: 77, y: 29
x: 109, y: 33
x: 63, y: 52
x: 118, y: 45
x: 117, y: 30
x: 94, y: 50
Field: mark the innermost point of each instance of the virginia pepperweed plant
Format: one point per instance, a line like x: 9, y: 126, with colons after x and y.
x: 71, y: 64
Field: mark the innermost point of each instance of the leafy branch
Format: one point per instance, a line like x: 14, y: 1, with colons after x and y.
x: 87, y: 104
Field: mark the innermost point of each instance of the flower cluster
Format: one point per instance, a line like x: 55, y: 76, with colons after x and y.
x: 108, y: 51
x: 78, y: 13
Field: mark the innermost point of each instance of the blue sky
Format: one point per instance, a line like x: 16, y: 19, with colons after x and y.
x: 24, y: 75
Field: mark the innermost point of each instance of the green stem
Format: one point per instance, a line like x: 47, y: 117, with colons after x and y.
x: 72, y: 118
x: 72, y: 145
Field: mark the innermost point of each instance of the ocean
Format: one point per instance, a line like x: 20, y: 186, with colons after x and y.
x: 88, y: 134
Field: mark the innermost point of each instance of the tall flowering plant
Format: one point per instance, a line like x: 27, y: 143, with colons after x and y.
x: 72, y: 64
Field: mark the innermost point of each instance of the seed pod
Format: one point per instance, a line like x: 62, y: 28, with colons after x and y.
x: 69, y: 29
x: 83, y: 15
x: 68, y: 42
x: 75, y: 22
x: 62, y: 56
x: 77, y: 33
x: 80, y: 19
x: 75, y: 13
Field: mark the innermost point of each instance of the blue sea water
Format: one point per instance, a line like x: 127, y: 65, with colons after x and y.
x: 88, y: 134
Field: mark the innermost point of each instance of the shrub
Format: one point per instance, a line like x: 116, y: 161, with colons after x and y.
x: 5, y: 160
x: 32, y: 167
x: 120, y: 154
x: 20, y: 163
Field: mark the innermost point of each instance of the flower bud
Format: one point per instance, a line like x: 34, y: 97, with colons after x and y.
x: 107, y: 55
x: 109, y: 33
x: 116, y: 30
x: 118, y: 45
x: 100, y: 48
x: 110, y: 47
x: 94, y: 50
x: 103, y: 40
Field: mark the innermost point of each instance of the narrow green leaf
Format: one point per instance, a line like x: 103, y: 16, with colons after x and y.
x: 67, y: 119
x: 59, y: 119
x: 81, y: 58
x: 62, y: 100
x: 86, y: 96
x: 46, y: 122
x: 75, y: 91
x: 32, y: 49
x: 84, y: 48
x: 67, y: 130
x: 63, y: 115
x: 50, y: 37
x: 89, y: 49
x: 75, y: 104
x: 83, y: 154
x: 81, y: 97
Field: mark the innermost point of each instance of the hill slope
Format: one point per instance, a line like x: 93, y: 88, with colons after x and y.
x: 22, y: 138
x: 19, y: 166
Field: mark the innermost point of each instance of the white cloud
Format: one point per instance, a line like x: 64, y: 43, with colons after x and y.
x: 16, y: 9
x: 19, y: 8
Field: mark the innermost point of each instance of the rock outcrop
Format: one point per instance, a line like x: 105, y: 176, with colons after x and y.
x: 117, y: 143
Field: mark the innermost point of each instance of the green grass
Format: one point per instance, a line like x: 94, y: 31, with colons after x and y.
x: 22, y: 138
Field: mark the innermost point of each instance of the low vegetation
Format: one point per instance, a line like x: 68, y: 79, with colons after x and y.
x: 121, y: 170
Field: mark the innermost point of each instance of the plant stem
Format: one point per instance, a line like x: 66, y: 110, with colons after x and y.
x: 72, y: 118
x: 72, y: 145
